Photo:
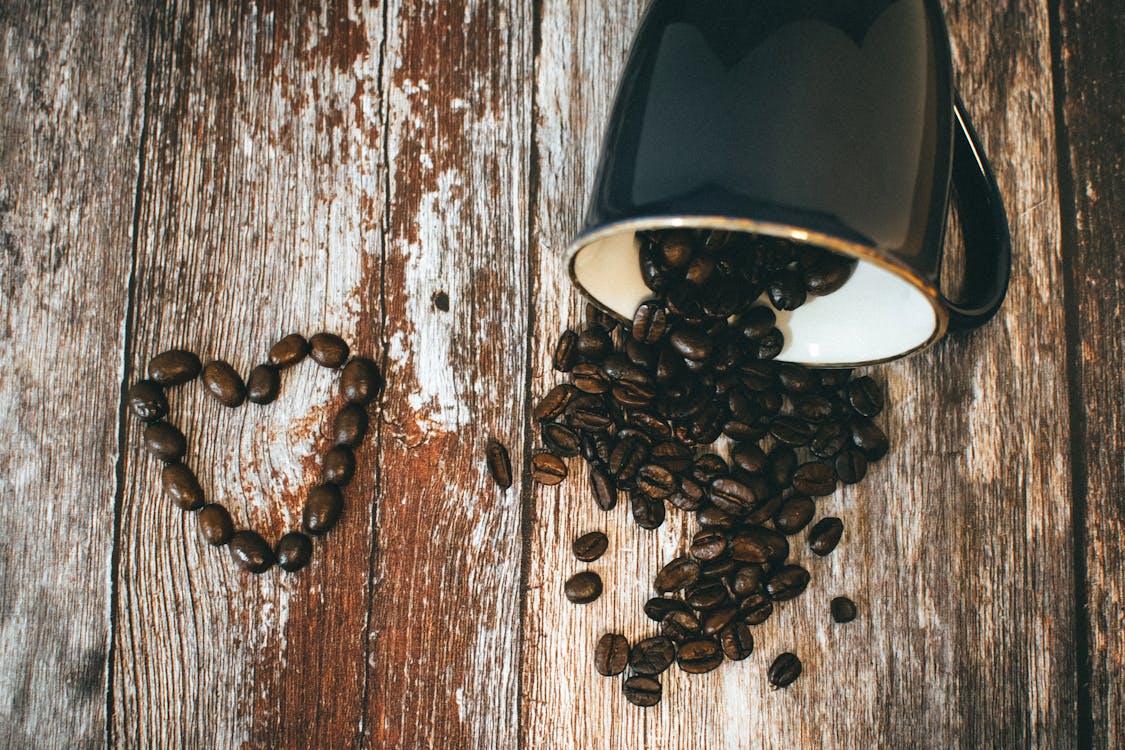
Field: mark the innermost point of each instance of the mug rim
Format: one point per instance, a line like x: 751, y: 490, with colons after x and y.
x: 859, y: 251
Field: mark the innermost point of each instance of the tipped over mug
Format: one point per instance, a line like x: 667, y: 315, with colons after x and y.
x: 827, y: 122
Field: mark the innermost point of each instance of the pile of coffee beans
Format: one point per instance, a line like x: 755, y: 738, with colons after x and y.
x: 645, y: 404
x: 360, y: 383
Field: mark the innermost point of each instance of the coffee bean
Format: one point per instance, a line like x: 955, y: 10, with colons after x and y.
x: 759, y: 545
x: 323, y: 507
x: 360, y: 381
x: 678, y: 574
x: 732, y: 496
x: 794, y: 514
x: 589, y: 378
x: 787, y: 291
x: 869, y: 438
x: 865, y: 396
x: 595, y: 316
x: 691, y: 343
x: 561, y: 440
x: 552, y: 405
x: 641, y: 691
x: 700, y: 270
x: 717, y: 619
x: 708, y: 545
x: 787, y: 583
x: 680, y: 626
x: 851, y: 466
x: 797, y: 379
x: 590, y: 546
x: 757, y: 322
x: 250, y: 552
x: 350, y: 425
x: 825, y: 535
x: 499, y: 465
x: 594, y: 343
x: 621, y: 369
x: 699, y: 656
x: 815, y: 479
x: 843, y: 609
x: 611, y: 655
x: 785, y: 670
x: 834, y: 379
x: 288, y: 351
x: 791, y: 431
x: 769, y: 345
x: 828, y: 275
x: 676, y: 248
x: 658, y: 430
x: 829, y: 440
x: 146, y: 400
x: 737, y: 641
x: 583, y: 588
x: 293, y: 551
x: 652, y: 655
x: 566, y: 351
x: 656, y: 481
x: 331, y: 351
x: 816, y: 408
x: 747, y: 579
x: 181, y: 487
x: 165, y: 441
x: 174, y: 367
x: 587, y: 412
x: 713, y: 518
x: 215, y: 524
x: 756, y: 608
x: 605, y: 492
x: 647, y: 513
x: 338, y: 466
x: 749, y: 458
x: 783, y: 462
x: 263, y: 384
x: 222, y: 383
x: 706, y: 596
x: 547, y: 469
x: 672, y: 455
x: 650, y: 322
x: 627, y: 457
x: 659, y: 607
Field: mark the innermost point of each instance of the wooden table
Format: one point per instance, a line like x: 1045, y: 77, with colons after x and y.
x: 173, y: 174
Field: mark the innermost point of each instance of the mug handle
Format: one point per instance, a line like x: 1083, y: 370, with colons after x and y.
x: 984, y: 227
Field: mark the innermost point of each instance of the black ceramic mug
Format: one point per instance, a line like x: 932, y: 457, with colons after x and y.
x: 828, y: 122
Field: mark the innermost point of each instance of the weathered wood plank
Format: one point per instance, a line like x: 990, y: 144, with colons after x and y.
x: 71, y: 96
x: 262, y: 214
x: 958, y: 545
x: 1091, y: 110
x: 445, y: 623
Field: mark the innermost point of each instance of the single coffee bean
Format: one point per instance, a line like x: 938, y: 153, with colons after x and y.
x: 584, y: 587
x: 794, y: 514
x: 829, y: 440
x: 331, y: 351
x: 785, y: 670
x: 709, y: 467
x: 815, y: 479
x: 174, y: 367
x: 323, y: 507
x: 647, y: 513
x: 749, y: 458
x: 650, y: 322
x: 656, y: 481
x: 825, y: 535
x: 769, y: 345
x: 700, y: 270
x: 828, y: 275
x: 865, y: 396
x: 594, y: 343
x: 604, y: 490
x: 165, y: 441
x: 699, y: 656
x: 552, y: 405
x: 611, y: 655
x: 293, y: 552
x: 215, y: 524
x: 222, y: 383
x: 706, y: 596
x: 181, y: 487
x: 713, y: 518
x: 652, y: 655
x: 627, y: 456
x: 640, y: 354
x: 659, y: 607
x: 791, y: 431
x: 815, y: 408
x: 691, y: 343
x: 766, y: 509
x: 737, y: 641
x: 590, y: 546
x: 690, y: 496
x: 587, y: 412
x: 757, y: 322
x: 547, y: 469
x: 783, y: 462
x: 641, y: 690
x: 672, y: 455
x: 755, y: 608
x: 146, y: 400
x: 718, y: 569
x: 708, y: 545
x: 288, y: 351
x: 680, y: 626
x: 653, y: 273
x: 339, y: 466
x: 263, y: 385
x: 787, y: 291
x: 732, y: 496
x: 759, y: 545
x: 621, y: 369
x: 851, y: 466
x: 250, y: 552
x: 715, y: 620
x: 499, y: 465
x: 360, y: 381
x: 350, y: 425
x: 566, y: 351
x: 797, y: 379
x: 676, y: 248
x: 747, y: 579
x: 561, y: 440
x: 843, y: 609
x: 869, y: 438
x: 787, y: 583
x: 678, y: 574
x: 589, y: 378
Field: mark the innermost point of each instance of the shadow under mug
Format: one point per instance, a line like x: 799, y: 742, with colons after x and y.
x: 828, y: 122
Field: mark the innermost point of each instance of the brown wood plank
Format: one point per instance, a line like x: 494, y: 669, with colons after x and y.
x: 71, y: 96
x: 1091, y: 110
x: 957, y: 547
x: 445, y: 623
x: 262, y: 215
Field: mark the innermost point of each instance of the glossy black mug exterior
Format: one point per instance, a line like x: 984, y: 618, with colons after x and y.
x: 828, y: 122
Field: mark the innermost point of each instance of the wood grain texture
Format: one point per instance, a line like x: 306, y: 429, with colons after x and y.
x: 71, y: 87
x: 1091, y: 110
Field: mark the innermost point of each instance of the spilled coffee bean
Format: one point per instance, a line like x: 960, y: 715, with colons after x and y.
x: 785, y: 670
x: 589, y: 547
x: 583, y: 588
x: 499, y: 465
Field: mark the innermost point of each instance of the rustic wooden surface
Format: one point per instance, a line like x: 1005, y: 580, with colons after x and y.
x: 185, y: 174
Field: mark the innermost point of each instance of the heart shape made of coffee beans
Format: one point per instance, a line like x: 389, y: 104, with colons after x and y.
x: 360, y: 384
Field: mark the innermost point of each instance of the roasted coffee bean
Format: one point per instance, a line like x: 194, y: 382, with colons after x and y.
x: 680, y: 626
x: 706, y: 596
x: 547, y: 468
x: 657, y: 429
x: 250, y: 552
x: 621, y: 369
x: 791, y: 431
x: 676, y: 248
x: 656, y: 481
x: 816, y: 408
x: 676, y: 575
x: 293, y: 551
x: 783, y: 462
x: 499, y: 465
x: 653, y: 273
x: 797, y: 379
x: 769, y: 345
x: 594, y: 343
x: 865, y: 396
x: 650, y: 322
x: 181, y: 487
x: 794, y: 514
x: 288, y: 351
x: 611, y: 655
x: 828, y: 275
x: 339, y: 466
x: 690, y: 496
x: 749, y: 458
x: 350, y: 425
x: 566, y: 351
x: 174, y: 367
x: 709, y: 467
x: 787, y: 583
x: 587, y: 412
x: 785, y: 670
x: 590, y: 546
x: 713, y: 518
x: 360, y: 381
x: 672, y: 455
x: 640, y: 354
x: 758, y: 376
x: 699, y: 656
x: 562, y: 441
x: 709, y: 544
x: 732, y: 496
x: 331, y: 351
x: 691, y: 343
x: 659, y: 607
x: 825, y: 535
x: 584, y: 587
x: 843, y: 609
x: 323, y: 507
x: 716, y: 569
x: 627, y: 457
x: 829, y: 440
x: 165, y: 441
x: 756, y: 608
x: 834, y: 379
x: 759, y: 545
x: 647, y: 513
x: 641, y: 691
x: 786, y: 291
x: 869, y: 438
x: 552, y: 405
x: 764, y: 510
x: 737, y: 641
x: 747, y: 579
x: 632, y: 395
x: 589, y: 378
x: 814, y: 479
x: 742, y: 431
x: 604, y: 490
x: 851, y: 466
x: 222, y: 383
x: 757, y: 322
x: 263, y: 385
x: 146, y: 400
x: 715, y: 620
x: 652, y: 655
x: 215, y: 524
